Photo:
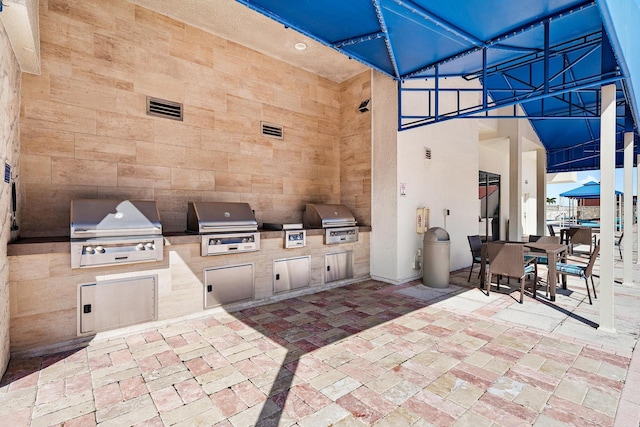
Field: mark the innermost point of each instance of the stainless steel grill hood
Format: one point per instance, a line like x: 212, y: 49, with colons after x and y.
x: 225, y: 227
x: 109, y: 218
x: 327, y: 216
x: 220, y: 217
x: 108, y: 232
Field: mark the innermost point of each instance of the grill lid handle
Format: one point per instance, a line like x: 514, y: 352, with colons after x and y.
x: 118, y: 232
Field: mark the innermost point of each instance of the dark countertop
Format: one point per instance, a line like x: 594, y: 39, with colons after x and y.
x: 60, y: 244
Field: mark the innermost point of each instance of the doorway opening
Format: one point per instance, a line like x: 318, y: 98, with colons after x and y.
x: 489, y: 205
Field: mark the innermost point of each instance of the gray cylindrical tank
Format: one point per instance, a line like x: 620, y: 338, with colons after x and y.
x: 436, y: 258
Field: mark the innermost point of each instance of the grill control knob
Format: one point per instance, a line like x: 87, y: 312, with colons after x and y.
x: 245, y: 240
x: 140, y: 247
x: 149, y: 245
x: 89, y: 249
x: 100, y: 249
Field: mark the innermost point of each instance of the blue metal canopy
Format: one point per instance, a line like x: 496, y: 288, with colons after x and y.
x: 589, y: 190
x: 544, y: 60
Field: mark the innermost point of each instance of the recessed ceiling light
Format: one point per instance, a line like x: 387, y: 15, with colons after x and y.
x: 300, y: 46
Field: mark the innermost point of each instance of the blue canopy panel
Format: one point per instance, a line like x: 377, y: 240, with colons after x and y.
x: 549, y: 57
x: 589, y: 190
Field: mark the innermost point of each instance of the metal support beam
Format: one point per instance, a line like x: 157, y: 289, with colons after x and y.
x: 515, y: 184
x: 541, y: 192
x: 437, y: 100
x: 359, y: 39
x: 445, y: 25
x: 638, y: 207
x: 498, y: 39
x: 628, y: 209
x: 484, y: 78
x: 383, y: 27
x: 469, y: 112
x: 607, y: 205
x: 546, y: 57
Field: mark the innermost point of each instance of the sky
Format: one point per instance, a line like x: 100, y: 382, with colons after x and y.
x: 554, y: 190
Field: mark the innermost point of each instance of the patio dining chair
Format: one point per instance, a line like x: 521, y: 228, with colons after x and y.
x: 580, y: 236
x: 551, y: 230
x: 507, y: 259
x: 475, y: 245
x: 582, y: 271
x: 619, y: 244
x: 542, y: 258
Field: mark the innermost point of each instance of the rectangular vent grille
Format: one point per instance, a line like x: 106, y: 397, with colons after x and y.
x: 163, y: 108
x: 427, y: 153
x: 271, y: 130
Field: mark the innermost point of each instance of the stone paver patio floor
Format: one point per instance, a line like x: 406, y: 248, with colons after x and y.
x: 364, y: 354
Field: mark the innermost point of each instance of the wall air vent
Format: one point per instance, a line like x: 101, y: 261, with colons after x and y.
x: 272, y: 131
x: 163, y: 108
x: 427, y: 153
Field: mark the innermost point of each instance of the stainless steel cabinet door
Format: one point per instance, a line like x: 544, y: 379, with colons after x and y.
x: 115, y: 303
x: 224, y: 285
x: 292, y: 273
x: 339, y: 266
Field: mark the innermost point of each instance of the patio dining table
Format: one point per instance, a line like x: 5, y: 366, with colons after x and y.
x: 554, y: 252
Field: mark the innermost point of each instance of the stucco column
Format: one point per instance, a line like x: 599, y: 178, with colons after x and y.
x: 384, y: 153
x: 627, y: 244
x: 541, y: 191
x: 607, y: 205
x: 515, y: 188
x: 638, y: 191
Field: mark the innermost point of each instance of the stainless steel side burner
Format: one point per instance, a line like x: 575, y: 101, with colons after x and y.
x: 294, y: 235
x: 225, y: 227
x: 110, y: 232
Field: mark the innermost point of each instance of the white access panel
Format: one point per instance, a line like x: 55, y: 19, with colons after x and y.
x: 112, y: 304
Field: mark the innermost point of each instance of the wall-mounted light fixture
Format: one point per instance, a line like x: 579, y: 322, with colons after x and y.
x: 364, y: 106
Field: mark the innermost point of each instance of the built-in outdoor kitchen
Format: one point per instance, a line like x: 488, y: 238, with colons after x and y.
x: 127, y: 217
x: 118, y: 269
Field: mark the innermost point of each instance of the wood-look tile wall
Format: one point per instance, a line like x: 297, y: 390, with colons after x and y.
x: 355, y: 147
x: 9, y: 152
x: 85, y: 132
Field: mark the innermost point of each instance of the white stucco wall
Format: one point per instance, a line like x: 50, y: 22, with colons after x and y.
x: 448, y: 181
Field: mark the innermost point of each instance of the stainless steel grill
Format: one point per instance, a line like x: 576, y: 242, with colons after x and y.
x: 225, y: 227
x: 109, y: 232
x: 337, y: 220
